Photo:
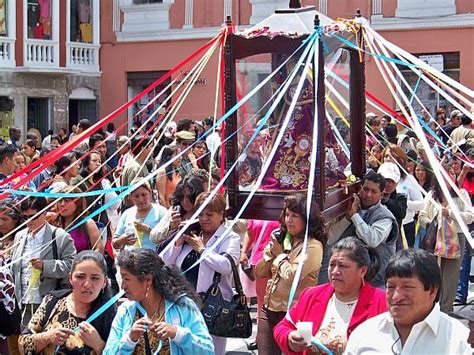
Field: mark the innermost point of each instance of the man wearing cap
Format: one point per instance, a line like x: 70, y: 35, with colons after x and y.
x: 394, y: 201
x: 184, y: 139
x: 463, y: 132
x: 466, y: 313
x: 371, y: 222
x: 454, y: 122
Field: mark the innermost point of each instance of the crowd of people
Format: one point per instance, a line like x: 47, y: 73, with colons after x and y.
x: 365, y: 283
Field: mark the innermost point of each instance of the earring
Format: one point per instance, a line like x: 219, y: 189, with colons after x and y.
x: 147, y: 293
x: 363, y: 282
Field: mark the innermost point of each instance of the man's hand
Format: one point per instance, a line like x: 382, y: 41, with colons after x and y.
x: 37, y: 263
x: 355, y: 207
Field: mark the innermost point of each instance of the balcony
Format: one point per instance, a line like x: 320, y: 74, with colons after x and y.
x: 41, y: 53
x: 7, y: 52
x: 83, y: 56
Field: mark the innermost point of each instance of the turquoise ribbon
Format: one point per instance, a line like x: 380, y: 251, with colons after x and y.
x: 216, y: 124
x: 143, y: 311
x: 415, y: 88
x: 387, y: 59
x: 262, y: 123
x: 66, y: 195
x: 320, y: 346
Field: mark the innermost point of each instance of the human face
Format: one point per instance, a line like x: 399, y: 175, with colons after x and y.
x: 410, y: 167
x: 383, y: 122
x: 7, y: 224
x: 94, y: 162
x: 186, y: 203
x: 135, y: 289
x: 9, y: 165
x: 452, y: 174
x: 87, y: 280
x: 54, y: 142
x: 73, y: 169
x: 390, y: 187
x: 199, y: 149
x: 67, y: 208
x: 294, y: 223
x: 27, y: 150
x: 420, y: 173
x: 37, y: 222
x: 456, y: 121
x: 457, y: 166
x: 345, y: 274
x: 19, y: 162
x: 141, y: 198
x: 101, y: 148
x: 182, y: 145
x: 408, y: 301
x: 210, y: 221
x: 370, y: 194
x: 388, y: 158
x: 17, y: 135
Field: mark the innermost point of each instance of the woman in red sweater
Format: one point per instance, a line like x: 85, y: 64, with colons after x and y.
x: 338, y: 307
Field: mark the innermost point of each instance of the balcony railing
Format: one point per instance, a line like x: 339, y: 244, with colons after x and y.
x: 83, y: 56
x: 7, y: 52
x: 41, y: 53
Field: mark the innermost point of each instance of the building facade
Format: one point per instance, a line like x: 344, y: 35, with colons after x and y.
x: 49, y: 63
x: 144, y: 38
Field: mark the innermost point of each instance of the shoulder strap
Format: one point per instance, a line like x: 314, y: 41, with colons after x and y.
x: 238, y: 284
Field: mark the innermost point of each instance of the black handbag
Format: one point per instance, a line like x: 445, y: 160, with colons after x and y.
x: 224, y: 318
x: 428, y: 243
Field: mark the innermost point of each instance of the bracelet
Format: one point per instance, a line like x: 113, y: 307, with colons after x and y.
x: 200, y: 251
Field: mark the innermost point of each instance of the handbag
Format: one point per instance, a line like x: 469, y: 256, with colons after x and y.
x: 428, y: 241
x: 229, y: 319
x: 447, y: 241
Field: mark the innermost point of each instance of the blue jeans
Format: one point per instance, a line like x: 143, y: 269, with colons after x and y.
x: 463, y: 283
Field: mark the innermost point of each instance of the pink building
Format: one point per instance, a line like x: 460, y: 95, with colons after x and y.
x: 144, y: 39
x: 49, y: 63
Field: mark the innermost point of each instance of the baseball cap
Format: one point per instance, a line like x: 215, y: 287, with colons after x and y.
x: 185, y: 135
x: 464, y: 312
x: 370, y: 114
x: 455, y: 113
x: 390, y: 171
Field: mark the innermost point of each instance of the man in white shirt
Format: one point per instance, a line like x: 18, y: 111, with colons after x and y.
x: 414, y: 323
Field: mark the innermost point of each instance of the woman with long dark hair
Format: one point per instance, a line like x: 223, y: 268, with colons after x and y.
x: 436, y: 207
x: 424, y: 175
x: 161, y: 310
x: 59, y: 325
x: 280, y: 261
x: 70, y: 211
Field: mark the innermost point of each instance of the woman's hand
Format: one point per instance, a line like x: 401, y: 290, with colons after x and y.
x: 445, y: 212
x: 91, y: 337
x: 58, y: 336
x: 142, y: 227
x: 175, y: 220
x: 139, y: 328
x: 275, y: 247
x: 164, y: 330
x: 124, y: 239
x: 195, y: 242
x: 296, y: 343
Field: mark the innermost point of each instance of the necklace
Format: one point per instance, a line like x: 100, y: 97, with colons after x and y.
x: 72, y: 308
x: 349, y: 304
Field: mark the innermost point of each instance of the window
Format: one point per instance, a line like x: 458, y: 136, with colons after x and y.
x: 139, y: 2
x: 81, y: 21
x: 39, y: 19
x: 449, y: 64
x: 3, y: 18
x: 6, y: 116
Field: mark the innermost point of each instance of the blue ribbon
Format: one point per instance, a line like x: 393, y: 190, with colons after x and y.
x: 320, y: 346
x: 143, y: 311
x: 387, y: 59
x: 217, y: 123
x: 415, y: 88
x: 66, y: 195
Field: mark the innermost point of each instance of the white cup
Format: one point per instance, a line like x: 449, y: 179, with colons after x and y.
x: 305, y: 330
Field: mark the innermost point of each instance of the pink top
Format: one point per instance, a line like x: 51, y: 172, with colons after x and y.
x: 255, y: 227
x: 81, y: 239
x: 45, y: 8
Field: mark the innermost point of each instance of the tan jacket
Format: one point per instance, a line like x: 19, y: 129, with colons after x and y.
x: 282, y: 269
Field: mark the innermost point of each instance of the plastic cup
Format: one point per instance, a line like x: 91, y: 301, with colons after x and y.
x: 305, y: 330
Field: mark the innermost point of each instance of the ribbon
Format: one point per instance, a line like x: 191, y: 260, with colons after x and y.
x: 143, y: 311
x: 308, y: 43
x: 65, y: 195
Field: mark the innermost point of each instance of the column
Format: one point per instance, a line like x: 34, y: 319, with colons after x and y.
x: 227, y: 9
x: 323, y: 7
x: 377, y: 7
x: 188, y: 14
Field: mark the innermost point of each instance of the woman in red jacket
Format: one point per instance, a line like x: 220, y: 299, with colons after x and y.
x: 338, y: 307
